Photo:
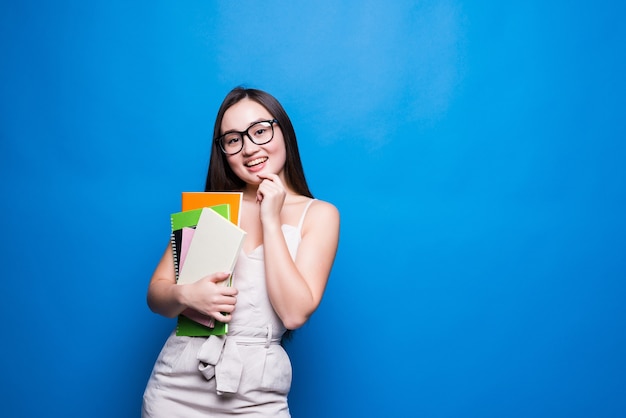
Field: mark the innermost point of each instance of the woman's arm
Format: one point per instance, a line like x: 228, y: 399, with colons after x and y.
x: 296, y: 287
x: 206, y: 296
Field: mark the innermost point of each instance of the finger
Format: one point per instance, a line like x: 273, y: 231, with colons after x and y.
x: 268, y: 176
x: 267, y: 190
x: 222, y: 316
x: 229, y: 291
x: 219, y: 277
x: 272, y: 181
x: 225, y: 307
x: 226, y: 301
x: 223, y: 310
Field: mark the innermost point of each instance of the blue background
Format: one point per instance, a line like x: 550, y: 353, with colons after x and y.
x: 475, y: 150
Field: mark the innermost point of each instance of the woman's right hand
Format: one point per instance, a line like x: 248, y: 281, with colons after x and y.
x: 211, y: 297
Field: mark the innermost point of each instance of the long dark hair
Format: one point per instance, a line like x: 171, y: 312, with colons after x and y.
x: 220, y: 177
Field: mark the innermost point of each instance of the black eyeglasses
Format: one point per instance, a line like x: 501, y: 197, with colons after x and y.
x: 259, y: 133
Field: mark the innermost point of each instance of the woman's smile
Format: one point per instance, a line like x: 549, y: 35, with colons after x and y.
x: 256, y: 164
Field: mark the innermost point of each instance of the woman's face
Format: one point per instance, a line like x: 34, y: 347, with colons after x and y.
x: 254, y: 159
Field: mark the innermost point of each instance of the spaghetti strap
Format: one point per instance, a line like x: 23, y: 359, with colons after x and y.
x: 306, y: 209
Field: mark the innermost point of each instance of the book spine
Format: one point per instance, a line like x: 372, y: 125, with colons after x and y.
x: 174, y: 249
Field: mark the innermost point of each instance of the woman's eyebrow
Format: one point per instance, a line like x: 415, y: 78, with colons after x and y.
x: 261, y: 119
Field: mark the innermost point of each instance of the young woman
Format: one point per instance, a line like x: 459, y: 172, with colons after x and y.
x: 279, y: 278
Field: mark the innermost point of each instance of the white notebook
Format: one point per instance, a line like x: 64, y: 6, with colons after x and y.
x: 215, y: 247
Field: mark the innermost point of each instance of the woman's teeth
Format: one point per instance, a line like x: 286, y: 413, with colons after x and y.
x: 255, y: 162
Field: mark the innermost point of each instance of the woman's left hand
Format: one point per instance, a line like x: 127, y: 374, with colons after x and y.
x: 271, y: 196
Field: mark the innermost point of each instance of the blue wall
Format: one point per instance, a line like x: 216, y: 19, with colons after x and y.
x: 475, y: 149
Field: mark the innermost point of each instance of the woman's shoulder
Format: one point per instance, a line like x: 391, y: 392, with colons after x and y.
x: 323, y: 205
x: 323, y: 211
x: 321, y: 222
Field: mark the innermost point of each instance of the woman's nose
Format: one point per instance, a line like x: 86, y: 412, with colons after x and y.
x: 248, y: 147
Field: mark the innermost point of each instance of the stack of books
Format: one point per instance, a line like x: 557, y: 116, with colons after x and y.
x: 206, y: 239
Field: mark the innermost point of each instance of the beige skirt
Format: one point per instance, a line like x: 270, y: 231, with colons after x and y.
x: 247, y: 373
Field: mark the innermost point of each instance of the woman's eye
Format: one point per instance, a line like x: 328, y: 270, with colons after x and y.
x: 232, y: 140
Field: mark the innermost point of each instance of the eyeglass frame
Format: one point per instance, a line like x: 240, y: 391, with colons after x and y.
x: 245, y: 133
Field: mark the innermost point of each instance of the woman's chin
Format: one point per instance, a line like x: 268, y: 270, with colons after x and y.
x: 253, y: 180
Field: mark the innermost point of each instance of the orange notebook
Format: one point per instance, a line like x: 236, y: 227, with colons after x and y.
x: 197, y: 200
